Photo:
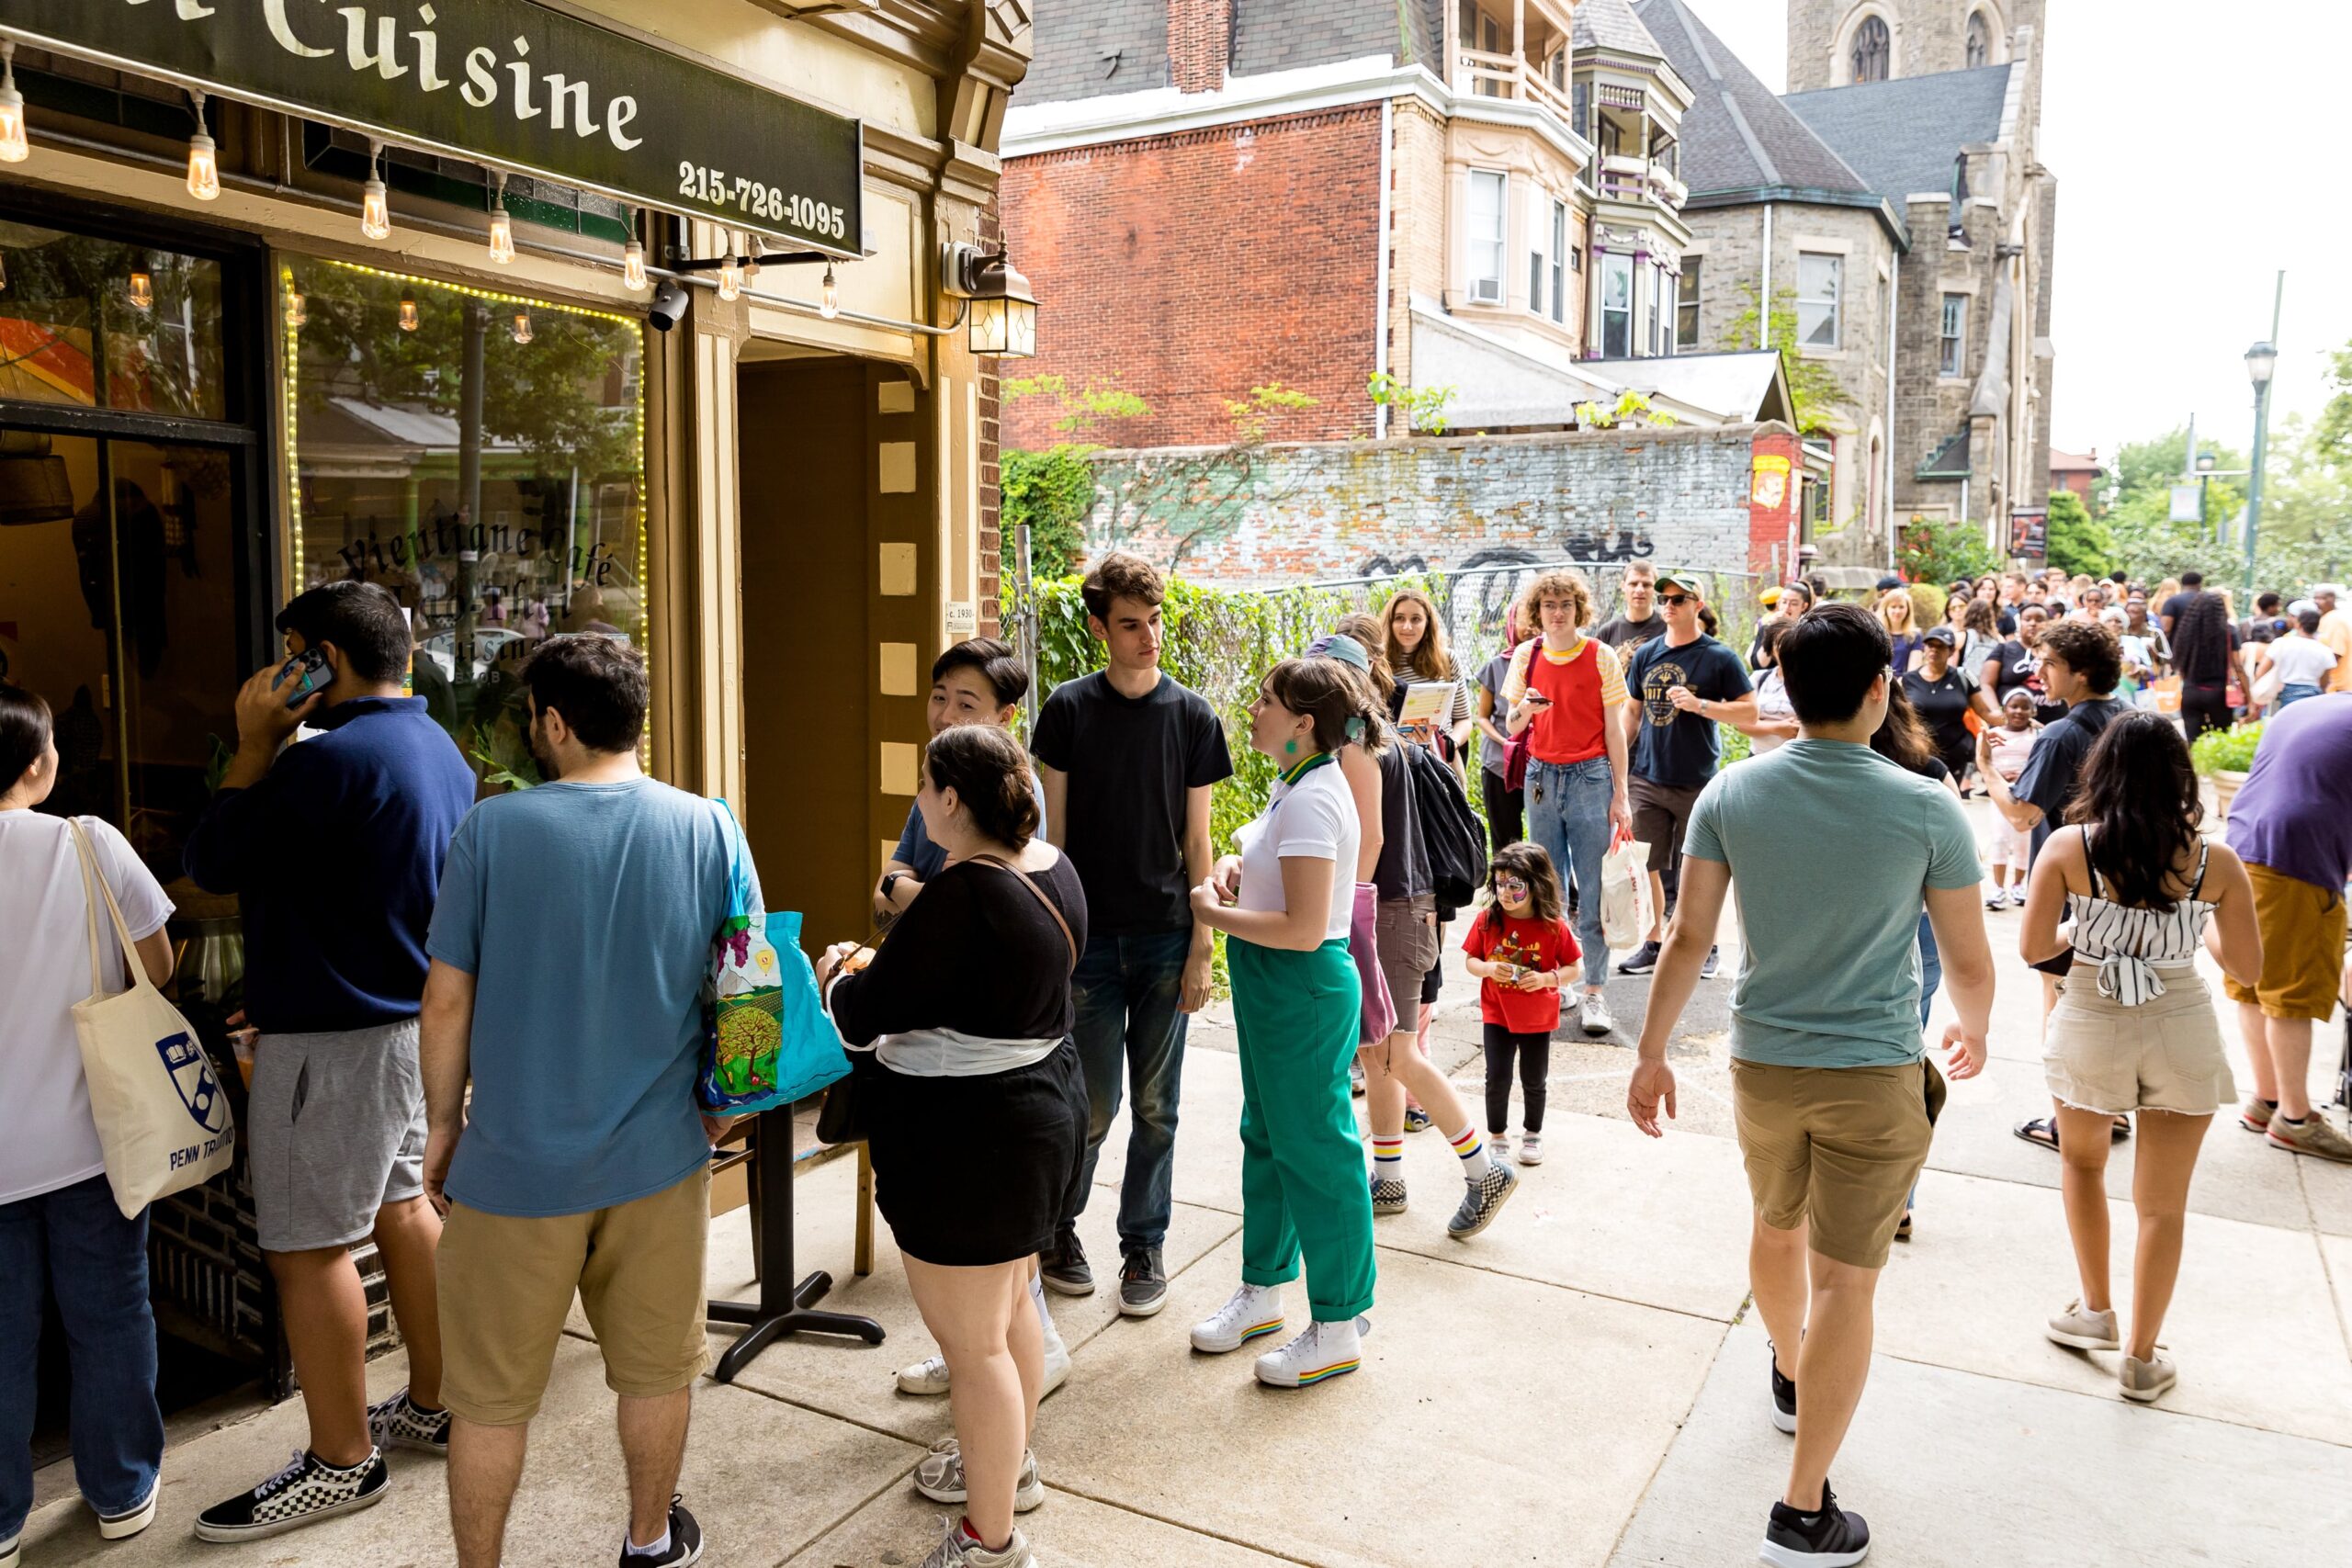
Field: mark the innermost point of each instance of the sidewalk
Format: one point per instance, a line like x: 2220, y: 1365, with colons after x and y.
x: 1578, y: 1386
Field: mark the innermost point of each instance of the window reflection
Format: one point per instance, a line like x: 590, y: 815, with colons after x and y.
x: 70, y: 303
x: 495, y: 486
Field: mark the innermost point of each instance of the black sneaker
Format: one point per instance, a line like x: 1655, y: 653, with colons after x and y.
x: 305, y: 1492
x: 1713, y: 963
x: 400, y: 1423
x: 1831, y: 1539
x: 1143, y: 1287
x: 685, y: 1542
x: 1065, y: 1269
x: 1784, y: 1395
x: 1641, y: 961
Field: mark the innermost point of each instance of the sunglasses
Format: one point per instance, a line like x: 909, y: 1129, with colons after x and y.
x: 1674, y: 598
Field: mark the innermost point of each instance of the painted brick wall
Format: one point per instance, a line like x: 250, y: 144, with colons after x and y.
x: 1678, y: 497
x: 1190, y: 268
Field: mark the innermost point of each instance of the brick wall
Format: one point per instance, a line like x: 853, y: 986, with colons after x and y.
x: 1200, y: 40
x: 1189, y: 268
x: 1676, y: 497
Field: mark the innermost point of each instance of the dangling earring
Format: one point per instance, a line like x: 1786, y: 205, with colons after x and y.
x: 1290, y: 748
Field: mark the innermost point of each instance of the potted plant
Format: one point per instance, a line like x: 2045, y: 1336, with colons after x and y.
x: 2224, y: 757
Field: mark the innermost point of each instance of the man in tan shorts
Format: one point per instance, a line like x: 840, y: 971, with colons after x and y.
x: 1831, y: 1093
x: 2292, y: 823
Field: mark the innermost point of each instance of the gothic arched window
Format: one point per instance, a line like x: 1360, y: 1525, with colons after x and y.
x: 1872, y: 50
x: 1980, y: 40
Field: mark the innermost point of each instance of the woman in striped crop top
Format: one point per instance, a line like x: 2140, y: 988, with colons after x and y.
x: 2133, y: 1028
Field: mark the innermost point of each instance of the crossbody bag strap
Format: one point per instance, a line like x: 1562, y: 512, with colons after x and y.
x: 122, y: 928
x: 1051, y: 908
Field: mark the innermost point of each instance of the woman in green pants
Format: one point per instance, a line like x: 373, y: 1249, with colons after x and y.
x: 1284, y: 903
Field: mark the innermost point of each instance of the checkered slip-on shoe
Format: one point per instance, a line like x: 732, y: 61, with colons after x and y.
x: 397, y: 1423
x: 305, y: 1492
x: 1482, y: 1203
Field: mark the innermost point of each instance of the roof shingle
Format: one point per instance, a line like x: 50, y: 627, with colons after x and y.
x: 1738, y: 136
x: 1903, y: 135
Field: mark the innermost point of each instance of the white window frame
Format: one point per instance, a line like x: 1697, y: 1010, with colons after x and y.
x: 1694, y: 271
x: 1490, y: 252
x: 1813, y: 307
x: 1613, y: 265
x: 1563, y: 251
x: 1539, y: 255
x: 1951, y: 339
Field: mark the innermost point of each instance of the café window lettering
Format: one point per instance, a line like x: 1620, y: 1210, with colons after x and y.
x: 481, y: 456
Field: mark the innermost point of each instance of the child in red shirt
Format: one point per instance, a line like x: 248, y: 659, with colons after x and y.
x: 1521, y: 950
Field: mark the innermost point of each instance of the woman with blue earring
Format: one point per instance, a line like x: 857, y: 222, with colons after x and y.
x: 1284, y: 904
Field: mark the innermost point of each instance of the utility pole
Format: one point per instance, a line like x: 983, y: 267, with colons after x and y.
x: 2261, y: 360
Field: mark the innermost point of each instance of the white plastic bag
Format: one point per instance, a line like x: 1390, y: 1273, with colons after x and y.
x: 162, y: 1118
x: 1626, y: 911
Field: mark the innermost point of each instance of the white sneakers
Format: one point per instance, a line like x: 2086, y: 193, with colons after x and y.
x: 929, y: 1376
x: 940, y: 1477
x: 1530, y: 1148
x: 2079, y: 1330
x: 1325, y: 1350
x: 1596, y: 1021
x: 1251, y: 1311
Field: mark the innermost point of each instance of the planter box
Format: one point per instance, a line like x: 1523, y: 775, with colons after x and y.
x: 2225, y: 787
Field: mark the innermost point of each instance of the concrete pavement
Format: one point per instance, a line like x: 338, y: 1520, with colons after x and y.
x: 1582, y: 1385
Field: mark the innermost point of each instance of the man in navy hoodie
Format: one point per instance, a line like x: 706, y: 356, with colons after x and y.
x: 334, y: 847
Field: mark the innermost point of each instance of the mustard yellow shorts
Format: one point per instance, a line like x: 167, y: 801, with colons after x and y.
x: 506, y: 1282
x: 2303, y: 947
x: 1833, y: 1149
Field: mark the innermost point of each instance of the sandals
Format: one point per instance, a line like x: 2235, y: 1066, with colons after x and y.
x: 2044, y: 1130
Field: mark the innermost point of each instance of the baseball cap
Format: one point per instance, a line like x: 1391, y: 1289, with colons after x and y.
x: 1942, y: 635
x: 1684, y: 580
x: 1889, y: 583
x: 1770, y: 597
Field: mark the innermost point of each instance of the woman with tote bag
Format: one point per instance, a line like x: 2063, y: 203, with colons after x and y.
x: 63, y: 1235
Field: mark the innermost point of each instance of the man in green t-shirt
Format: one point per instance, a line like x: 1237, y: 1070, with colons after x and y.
x: 1829, y: 1087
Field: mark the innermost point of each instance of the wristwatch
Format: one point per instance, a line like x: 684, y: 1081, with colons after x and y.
x: 890, y: 880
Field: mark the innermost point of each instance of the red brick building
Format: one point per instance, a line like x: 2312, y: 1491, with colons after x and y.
x: 2080, y: 474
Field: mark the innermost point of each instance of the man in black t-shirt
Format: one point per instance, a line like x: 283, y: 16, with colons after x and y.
x: 1639, y: 620
x: 1128, y: 758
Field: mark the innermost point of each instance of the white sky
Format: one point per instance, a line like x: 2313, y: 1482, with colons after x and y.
x: 2195, y: 159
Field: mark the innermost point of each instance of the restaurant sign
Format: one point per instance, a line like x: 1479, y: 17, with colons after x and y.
x: 506, y: 81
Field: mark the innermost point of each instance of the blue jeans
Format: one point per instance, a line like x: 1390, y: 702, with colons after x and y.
x: 1567, y: 816
x: 75, y: 1245
x: 1125, y: 991
x: 2294, y: 693
x: 1931, y: 969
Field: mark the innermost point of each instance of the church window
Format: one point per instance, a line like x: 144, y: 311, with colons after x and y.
x: 1873, y: 50
x: 1819, y: 281
x: 1954, y: 340
x: 1980, y: 40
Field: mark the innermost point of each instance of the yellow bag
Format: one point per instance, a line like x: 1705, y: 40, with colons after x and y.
x: 2167, y: 690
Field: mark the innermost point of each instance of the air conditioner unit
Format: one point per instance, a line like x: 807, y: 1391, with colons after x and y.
x: 1487, y: 290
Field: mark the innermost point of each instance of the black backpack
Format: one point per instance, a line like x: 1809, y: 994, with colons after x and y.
x: 1450, y: 830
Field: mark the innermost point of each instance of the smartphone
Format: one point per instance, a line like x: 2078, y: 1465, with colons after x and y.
x: 307, y: 672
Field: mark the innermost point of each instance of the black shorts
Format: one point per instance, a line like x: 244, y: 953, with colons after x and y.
x: 971, y: 1171
x: 1661, y: 812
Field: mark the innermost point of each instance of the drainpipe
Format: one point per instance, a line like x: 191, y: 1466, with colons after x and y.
x: 1764, y: 303
x: 1380, y: 269
x: 1894, y: 311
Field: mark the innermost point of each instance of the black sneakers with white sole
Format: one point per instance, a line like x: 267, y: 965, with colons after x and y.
x: 685, y: 1542
x: 306, y: 1490
x: 1784, y: 1397
x: 1831, y: 1538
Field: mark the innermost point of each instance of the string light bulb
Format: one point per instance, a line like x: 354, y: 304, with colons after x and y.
x: 143, y: 290
x: 375, y: 206
x: 633, y: 266
x: 14, y: 148
x: 502, y: 228
x: 829, y: 304
x: 203, y: 161
x: 408, y: 310
x: 730, y: 273
x: 521, y: 326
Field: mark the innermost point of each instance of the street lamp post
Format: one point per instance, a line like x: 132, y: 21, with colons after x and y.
x: 2261, y: 361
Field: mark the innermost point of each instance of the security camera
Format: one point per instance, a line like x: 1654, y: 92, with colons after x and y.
x: 668, y: 307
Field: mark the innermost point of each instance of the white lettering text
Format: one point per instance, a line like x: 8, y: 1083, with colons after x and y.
x: 617, y: 114
x: 481, y: 88
x: 355, y: 49
x: 561, y: 89
x: 524, y: 107
x: 274, y: 13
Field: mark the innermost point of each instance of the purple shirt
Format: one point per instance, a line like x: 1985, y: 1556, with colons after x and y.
x: 2293, y: 814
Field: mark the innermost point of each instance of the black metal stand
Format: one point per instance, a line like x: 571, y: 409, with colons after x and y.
x: 783, y: 1307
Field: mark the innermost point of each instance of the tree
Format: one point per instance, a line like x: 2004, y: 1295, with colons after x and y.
x: 2079, y: 543
x: 1424, y: 407
x: 1052, y: 491
x: 1815, y: 391
x: 1936, y: 551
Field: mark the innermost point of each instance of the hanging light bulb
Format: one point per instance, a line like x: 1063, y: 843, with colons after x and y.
x: 730, y: 271
x: 521, y: 326
x: 13, y: 147
x: 502, y: 229
x: 375, y: 209
x: 203, y: 164
x: 143, y: 290
x: 633, y: 266
x: 297, y: 309
x: 408, y: 311
x: 830, y: 305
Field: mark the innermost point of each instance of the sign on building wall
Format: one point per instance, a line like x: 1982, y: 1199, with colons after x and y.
x: 2029, y: 533
x: 506, y: 81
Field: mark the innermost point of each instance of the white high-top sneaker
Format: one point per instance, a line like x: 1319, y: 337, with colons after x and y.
x: 1325, y: 1350
x: 1251, y: 1311
x: 929, y: 1376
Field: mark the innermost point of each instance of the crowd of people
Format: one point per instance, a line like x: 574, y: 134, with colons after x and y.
x: 475, y: 1026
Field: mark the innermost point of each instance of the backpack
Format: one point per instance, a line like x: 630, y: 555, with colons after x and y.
x: 1450, y: 832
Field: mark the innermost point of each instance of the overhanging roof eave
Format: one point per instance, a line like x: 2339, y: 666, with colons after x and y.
x: 1802, y: 196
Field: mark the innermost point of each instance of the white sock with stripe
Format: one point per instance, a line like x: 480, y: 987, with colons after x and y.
x: 1475, y: 1161
x: 1388, y: 1157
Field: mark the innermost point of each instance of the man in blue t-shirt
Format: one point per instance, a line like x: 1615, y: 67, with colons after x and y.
x: 1684, y: 685
x: 1831, y: 1095
x: 568, y: 951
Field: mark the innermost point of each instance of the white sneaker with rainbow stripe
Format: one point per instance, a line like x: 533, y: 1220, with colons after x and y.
x: 1251, y: 1312
x: 1325, y: 1352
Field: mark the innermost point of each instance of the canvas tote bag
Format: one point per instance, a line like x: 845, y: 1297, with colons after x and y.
x: 163, y: 1121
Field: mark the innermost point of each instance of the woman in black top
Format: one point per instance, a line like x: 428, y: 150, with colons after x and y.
x: 1944, y: 693
x: 976, y: 1111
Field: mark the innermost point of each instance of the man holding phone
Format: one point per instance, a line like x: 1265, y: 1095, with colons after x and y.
x: 334, y: 847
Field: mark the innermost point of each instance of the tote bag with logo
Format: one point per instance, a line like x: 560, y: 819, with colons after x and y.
x: 766, y: 1041
x: 162, y: 1118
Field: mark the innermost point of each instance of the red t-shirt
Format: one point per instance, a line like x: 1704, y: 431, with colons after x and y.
x: 1531, y: 945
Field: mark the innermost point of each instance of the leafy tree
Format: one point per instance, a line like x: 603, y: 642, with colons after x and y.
x: 2079, y: 543
x: 1631, y: 408
x: 1936, y: 551
x: 1052, y: 491
x: 1815, y: 392
x: 1424, y: 407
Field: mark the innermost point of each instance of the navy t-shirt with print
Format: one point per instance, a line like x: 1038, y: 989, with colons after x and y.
x: 1670, y: 747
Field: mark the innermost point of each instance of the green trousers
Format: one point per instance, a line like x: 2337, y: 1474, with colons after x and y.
x: 1302, y: 1186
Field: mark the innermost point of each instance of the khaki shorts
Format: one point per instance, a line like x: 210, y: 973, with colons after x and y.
x: 2303, y: 947
x: 1833, y: 1149
x: 2165, y: 1054
x: 1661, y: 813
x: 1405, y: 935
x: 507, y: 1282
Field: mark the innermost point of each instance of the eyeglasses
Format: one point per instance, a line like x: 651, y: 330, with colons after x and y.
x: 1674, y: 598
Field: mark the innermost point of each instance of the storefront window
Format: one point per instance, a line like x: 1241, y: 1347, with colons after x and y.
x: 70, y: 302
x: 482, y: 456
